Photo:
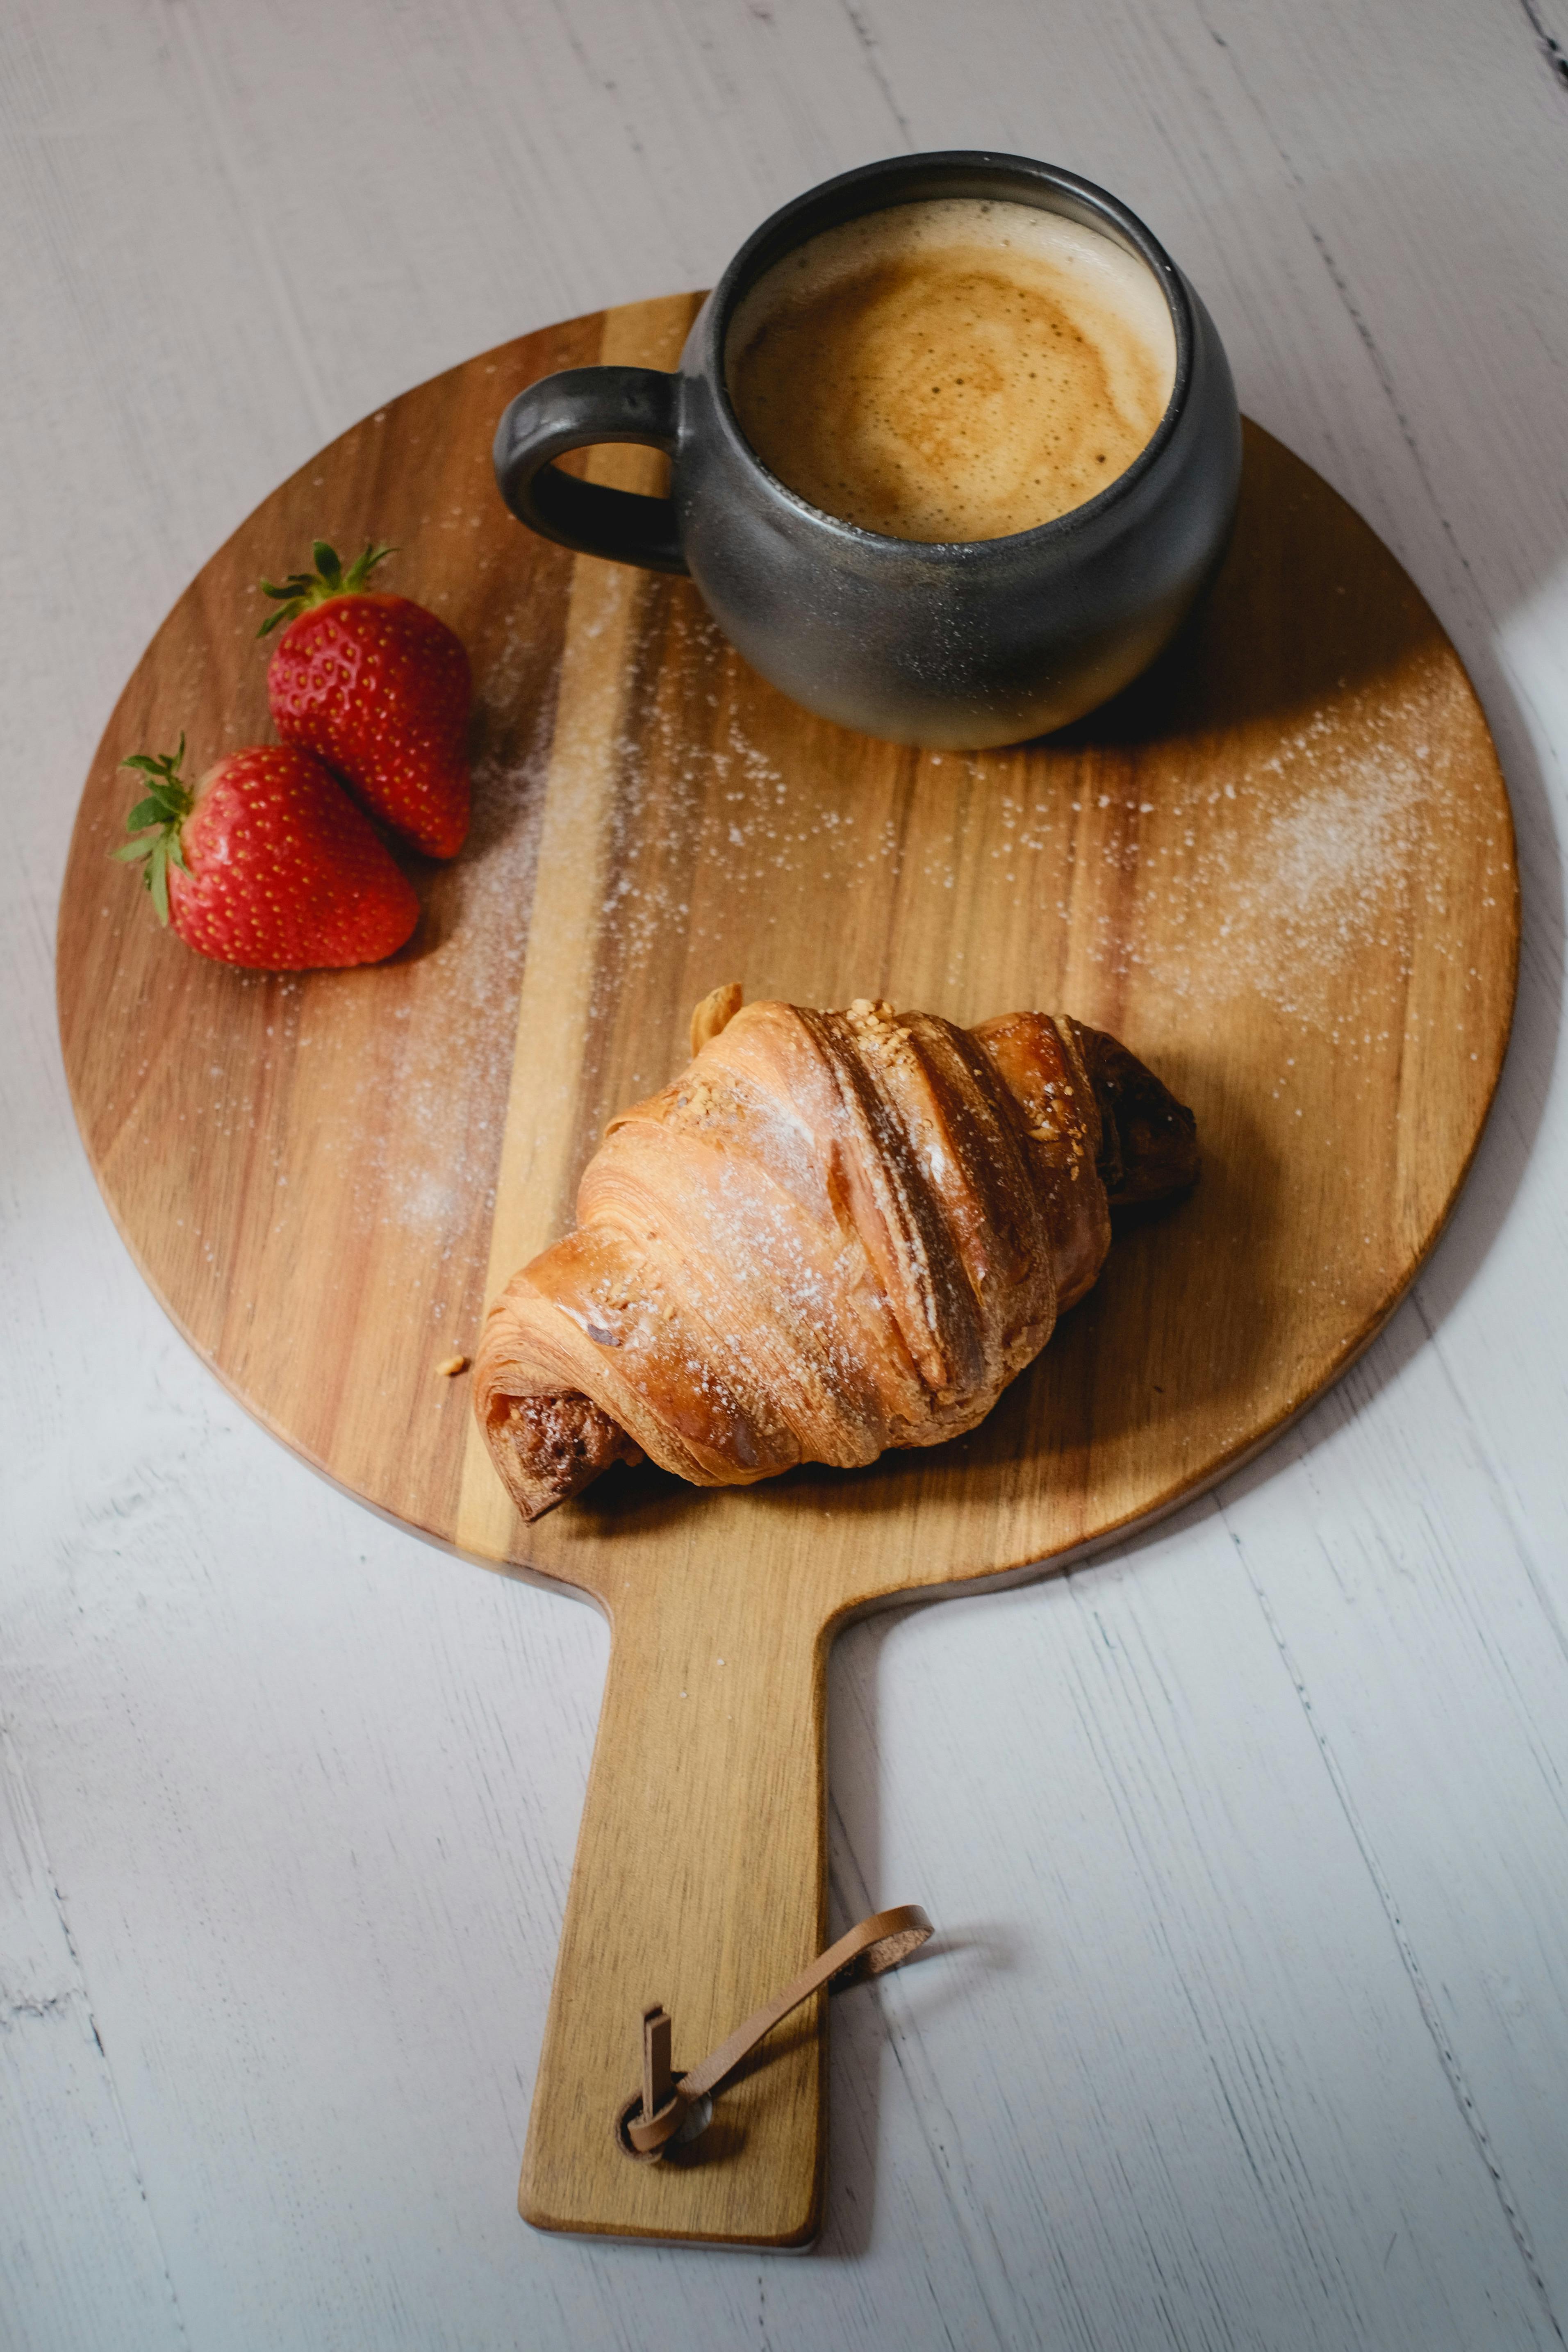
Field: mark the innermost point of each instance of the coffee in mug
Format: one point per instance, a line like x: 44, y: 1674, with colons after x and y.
x: 960, y: 369
x: 953, y: 447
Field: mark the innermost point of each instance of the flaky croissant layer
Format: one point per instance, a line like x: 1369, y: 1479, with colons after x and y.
x: 833, y: 1234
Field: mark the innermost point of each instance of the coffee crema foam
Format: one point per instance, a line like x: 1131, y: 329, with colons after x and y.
x: 957, y: 369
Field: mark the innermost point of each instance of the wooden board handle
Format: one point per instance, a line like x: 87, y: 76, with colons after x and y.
x: 700, y: 1882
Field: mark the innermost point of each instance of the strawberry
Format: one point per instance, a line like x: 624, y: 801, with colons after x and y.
x: 379, y: 689
x: 268, y: 863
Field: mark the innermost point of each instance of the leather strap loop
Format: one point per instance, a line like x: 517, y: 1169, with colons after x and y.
x: 877, y: 1943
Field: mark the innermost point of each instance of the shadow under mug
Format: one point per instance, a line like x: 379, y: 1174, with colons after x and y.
x: 950, y: 644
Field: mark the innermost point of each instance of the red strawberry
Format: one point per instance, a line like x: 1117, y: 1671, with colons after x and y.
x: 267, y: 863
x: 379, y: 689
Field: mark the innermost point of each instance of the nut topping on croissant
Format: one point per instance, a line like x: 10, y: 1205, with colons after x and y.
x: 834, y: 1232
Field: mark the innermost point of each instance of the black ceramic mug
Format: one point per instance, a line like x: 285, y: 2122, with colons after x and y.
x: 954, y: 644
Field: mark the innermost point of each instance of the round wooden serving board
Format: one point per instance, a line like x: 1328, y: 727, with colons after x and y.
x: 1280, y: 869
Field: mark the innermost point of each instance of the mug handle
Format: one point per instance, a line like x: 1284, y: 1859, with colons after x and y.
x: 570, y: 411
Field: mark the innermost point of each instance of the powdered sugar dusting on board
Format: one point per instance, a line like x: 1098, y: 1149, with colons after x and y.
x: 1281, y: 908
x: 1296, y: 850
x: 428, y: 1180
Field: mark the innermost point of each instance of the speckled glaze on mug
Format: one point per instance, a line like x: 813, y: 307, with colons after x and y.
x: 950, y: 644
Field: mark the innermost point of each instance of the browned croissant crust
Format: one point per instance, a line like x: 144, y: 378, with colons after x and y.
x: 834, y: 1232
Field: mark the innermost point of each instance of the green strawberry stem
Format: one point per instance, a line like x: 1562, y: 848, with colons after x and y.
x: 304, y: 589
x: 168, y: 803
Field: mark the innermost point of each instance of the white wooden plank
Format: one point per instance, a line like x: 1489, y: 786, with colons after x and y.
x: 1179, y: 1997
x: 1456, y: 1629
x: 69, y: 2178
x: 142, y: 312
x: 1547, y: 23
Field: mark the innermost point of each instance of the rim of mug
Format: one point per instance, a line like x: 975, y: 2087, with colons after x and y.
x: 772, y: 241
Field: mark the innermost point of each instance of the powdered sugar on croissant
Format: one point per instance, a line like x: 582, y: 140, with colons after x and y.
x: 833, y: 1234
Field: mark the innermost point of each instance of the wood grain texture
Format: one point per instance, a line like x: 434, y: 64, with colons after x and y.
x: 1281, y: 868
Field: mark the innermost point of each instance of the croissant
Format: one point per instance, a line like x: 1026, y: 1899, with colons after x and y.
x: 834, y: 1232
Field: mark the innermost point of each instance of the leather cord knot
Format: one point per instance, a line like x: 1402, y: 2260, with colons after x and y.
x: 672, y: 2105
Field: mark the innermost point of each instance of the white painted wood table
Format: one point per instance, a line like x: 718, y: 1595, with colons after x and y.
x: 1251, y: 2029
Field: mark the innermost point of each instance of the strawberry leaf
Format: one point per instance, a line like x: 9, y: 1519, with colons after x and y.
x: 364, y: 565
x: 303, y: 590
x: 158, y: 819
